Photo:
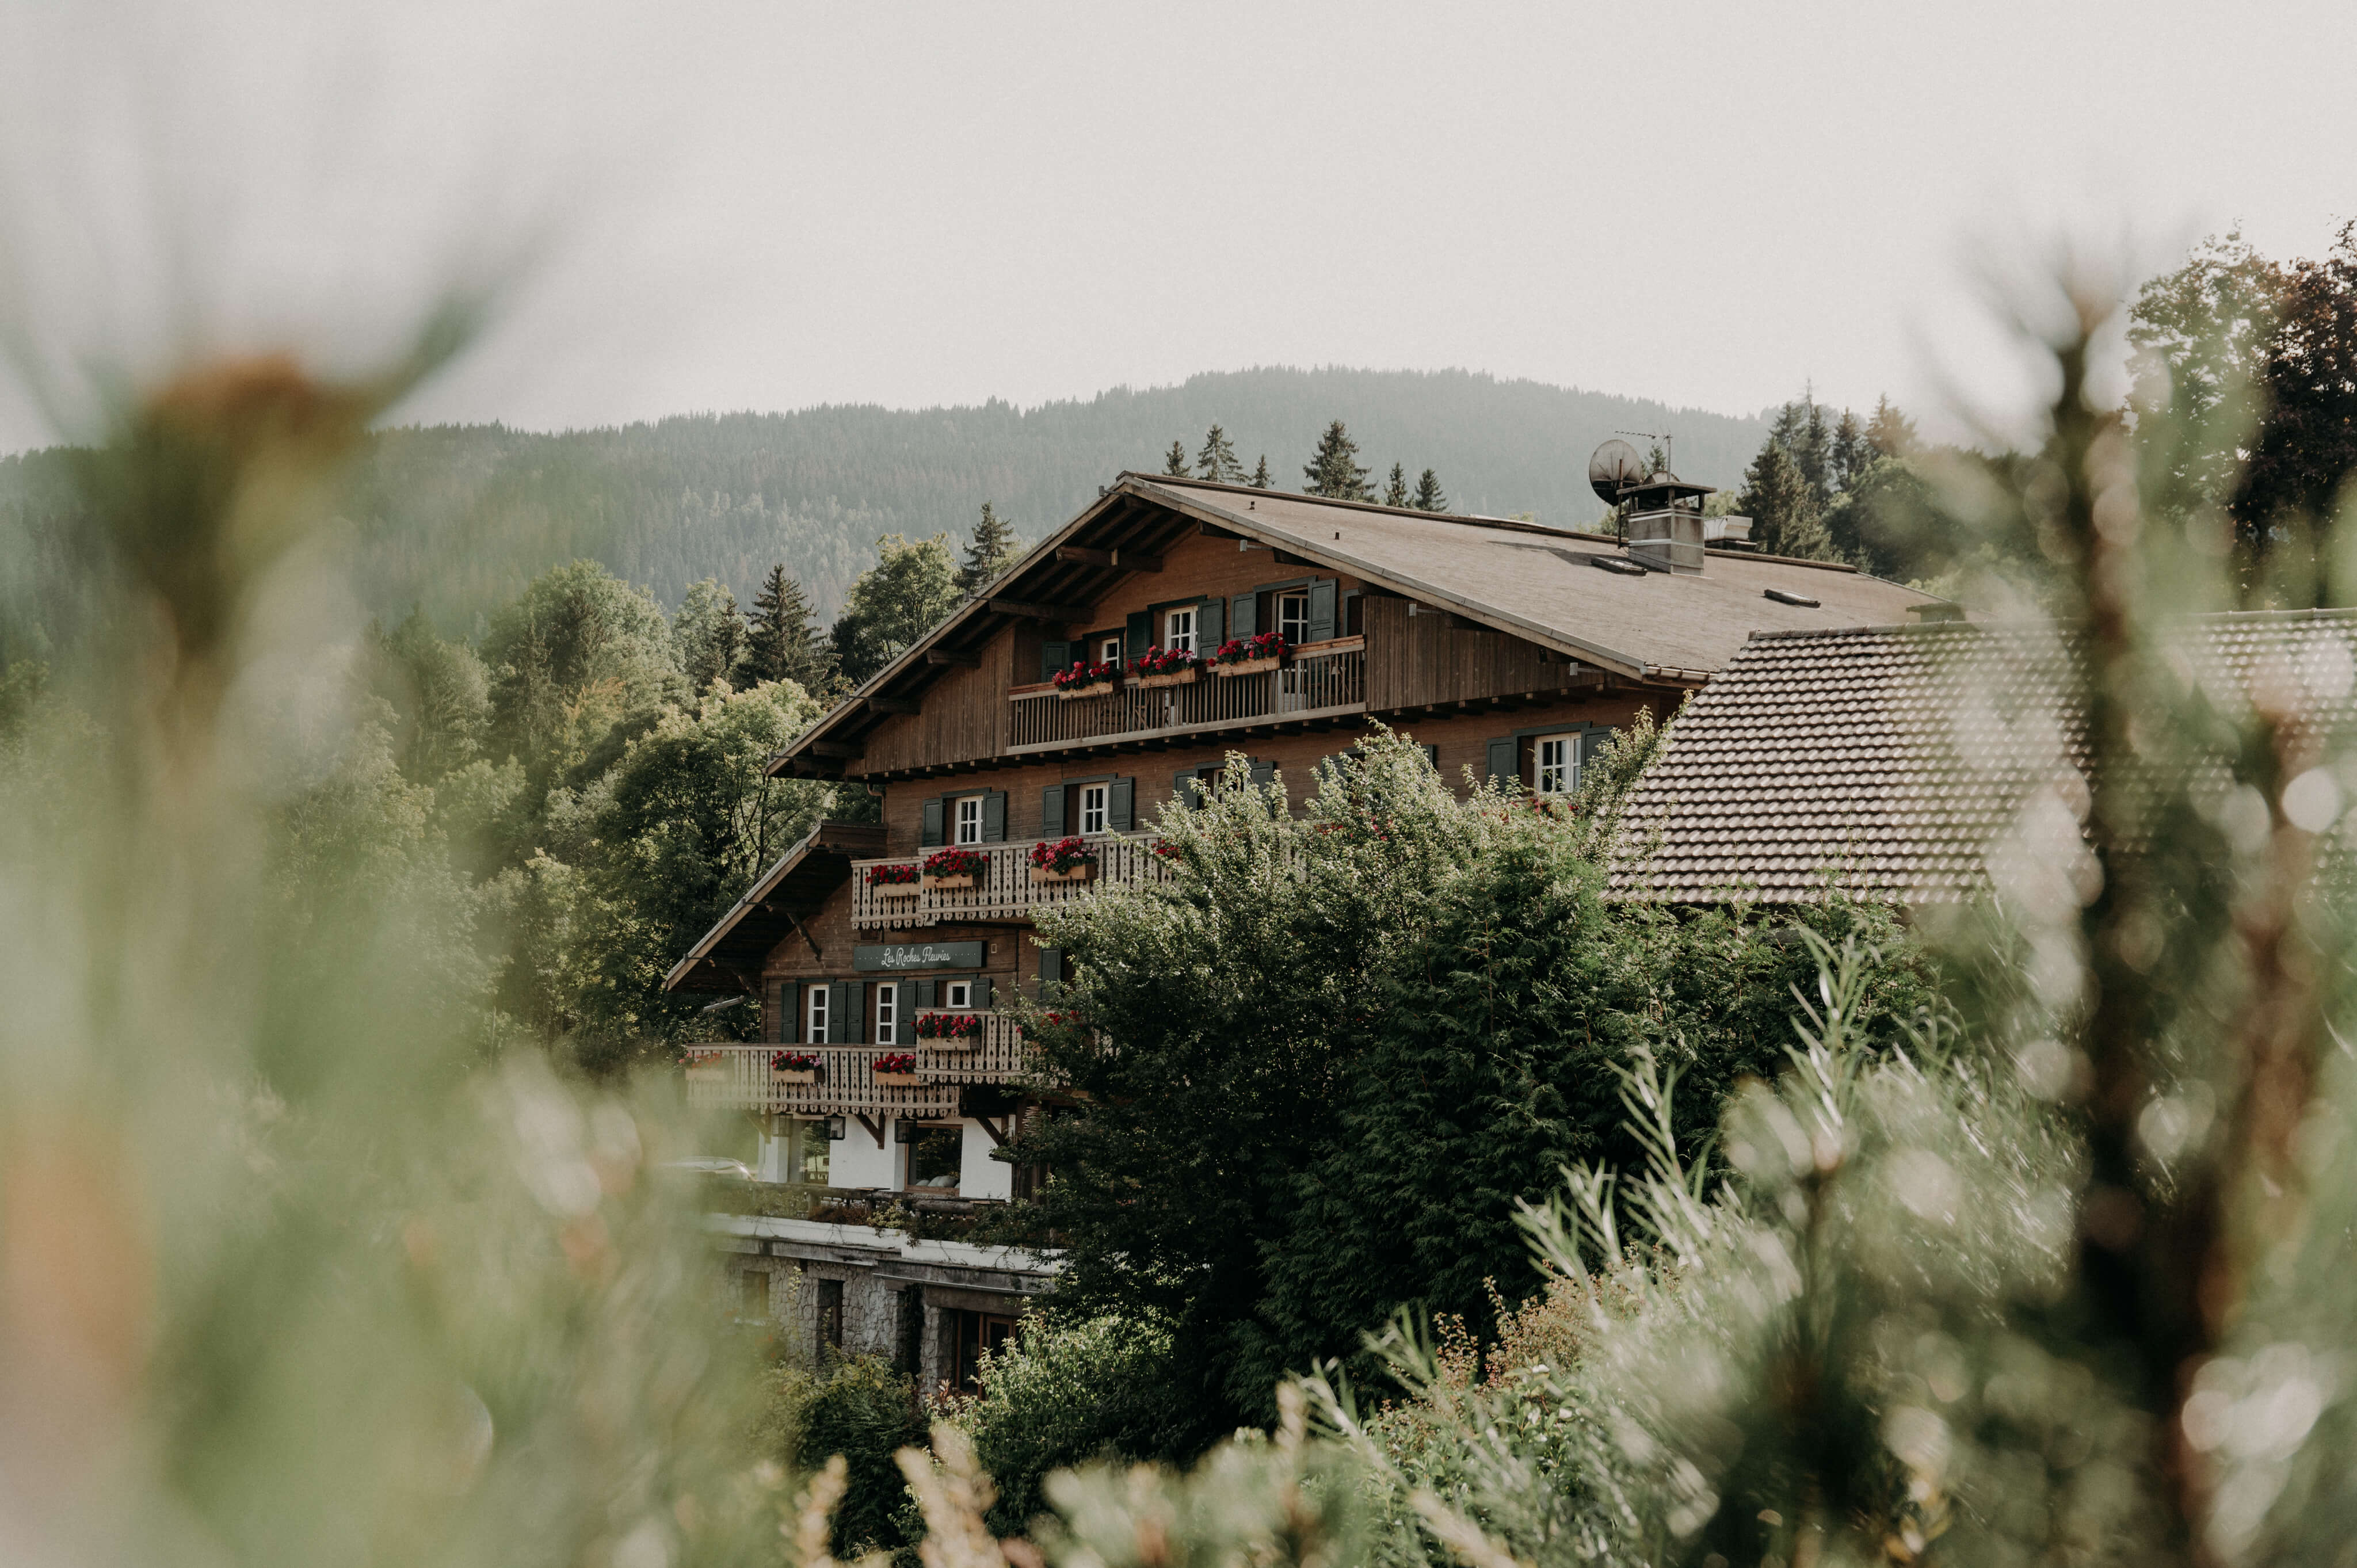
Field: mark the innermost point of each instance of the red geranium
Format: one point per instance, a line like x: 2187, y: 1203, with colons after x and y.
x: 1084, y: 672
x: 1163, y: 660
x: 1062, y: 854
x: 953, y: 863
x: 896, y: 1061
x: 890, y: 875
x: 949, y: 1025
x: 1267, y: 645
x: 793, y: 1061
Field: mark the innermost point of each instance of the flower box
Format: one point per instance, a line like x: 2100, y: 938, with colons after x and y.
x: 966, y: 880
x: 899, y: 1080
x: 1185, y: 677
x: 1041, y: 875
x: 1097, y: 689
x: 793, y: 1075
x: 895, y: 890
x: 1249, y: 666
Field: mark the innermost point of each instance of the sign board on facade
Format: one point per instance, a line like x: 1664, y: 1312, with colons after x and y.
x: 868, y: 958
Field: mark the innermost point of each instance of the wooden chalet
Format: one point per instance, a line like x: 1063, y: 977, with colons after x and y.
x: 1501, y: 646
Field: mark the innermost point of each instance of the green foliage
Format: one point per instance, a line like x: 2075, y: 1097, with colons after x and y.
x: 1428, y: 497
x: 1071, y: 1391
x: 438, y: 694
x: 709, y: 634
x: 1174, y: 462
x: 859, y: 1407
x: 782, y: 642
x: 908, y: 591
x: 1333, y: 470
x: 991, y: 551
x: 1216, y: 460
x: 578, y: 654
x: 1260, y: 479
x: 1395, y: 488
x: 1787, y: 518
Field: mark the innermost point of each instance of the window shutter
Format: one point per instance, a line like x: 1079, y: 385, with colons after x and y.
x: 1054, y: 656
x: 1263, y: 773
x: 984, y: 994
x: 1503, y: 765
x: 1591, y: 743
x: 1051, y: 811
x: 1321, y: 609
x: 1431, y: 755
x: 994, y: 817
x: 1051, y: 970
x: 1242, y: 618
x: 904, y: 1012
x: 931, y: 837
x: 928, y: 992
x: 1140, y: 636
x: 1209, y: 615
x: 790, y: 1015
x: 1121, y: 804
x: 842, y: 1013
x: 1182, y: 788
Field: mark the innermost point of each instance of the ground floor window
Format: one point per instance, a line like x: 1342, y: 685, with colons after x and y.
x: 935, y: 1156
x: 971, y: 1335
x: 829, y: 1295
x: 753, y: 1293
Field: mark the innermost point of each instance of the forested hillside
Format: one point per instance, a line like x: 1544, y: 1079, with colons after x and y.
x: 459, y: 519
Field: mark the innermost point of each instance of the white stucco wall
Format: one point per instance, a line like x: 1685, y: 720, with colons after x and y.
x: 856, y: 1161
x: 772, y: 1157
x: 979, y: 1176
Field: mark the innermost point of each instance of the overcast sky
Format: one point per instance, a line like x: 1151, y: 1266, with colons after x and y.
x: 723, y: 204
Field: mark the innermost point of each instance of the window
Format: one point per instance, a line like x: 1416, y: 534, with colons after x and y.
x: 888, y: 1013
x: 811, y: 1148
x: 958, y: 995
x: 971, y: 1333
x: 753, y: 1293
x: 1109, y: 650
x: 830, y: 1313
x: 1293, y: 618
x: 1178, y: 631
x: 934, y: 1156
x: 1559, y: 764
x: 969, y: 819
x: 1093, y: 807
x: 814, y: 1020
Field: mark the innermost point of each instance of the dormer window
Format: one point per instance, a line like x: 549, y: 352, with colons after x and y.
x: 1178, y: 631
x: 966, y: 822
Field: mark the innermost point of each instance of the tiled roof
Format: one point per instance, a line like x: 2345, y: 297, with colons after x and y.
x: 1886, y: 759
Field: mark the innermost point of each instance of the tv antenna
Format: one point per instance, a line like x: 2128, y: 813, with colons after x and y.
x: 1669, y: 444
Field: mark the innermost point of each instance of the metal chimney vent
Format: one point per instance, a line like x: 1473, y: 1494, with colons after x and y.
x: 1661, y: 515
x: 1669, y: 539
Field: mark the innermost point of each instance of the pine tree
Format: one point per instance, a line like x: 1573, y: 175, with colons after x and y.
x: 1427, y: 496
x: 1174, y: 462
x: 1782, y: 505
x: 1216, y: 460
x: 1890, y: 431
x: 1333, y: 470
x: 989, y: 552
x: 782, y: 644
x: 1260, y: 479
x: 1395, y: 490
x: 709, y: 632
x: 1851, y: 452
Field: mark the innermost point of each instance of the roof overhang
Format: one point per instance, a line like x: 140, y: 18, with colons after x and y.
x: 729, y: 957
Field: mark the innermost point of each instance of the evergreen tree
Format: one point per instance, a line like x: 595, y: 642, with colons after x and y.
x: 1786, y: 519
x: 1890, y: 431
x: 1216, y: 460
x: 989, y: 552
x: 1174, y: 462
x: 1333, y: 469
x: 709, y: 631
x: 783, y: 644
x: 1395, y: 489
x: 1260, y: 479
x: 1851, y: 452
x: 1428, y: 497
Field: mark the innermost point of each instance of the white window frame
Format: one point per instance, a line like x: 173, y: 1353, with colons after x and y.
x: 965, y: 820
x: 1560, y: 777
x: 1109, y: 650
x: 957, y: 995
x: 1293, y: 618
x: 1093, y: 814
x: 888, y: 1013
x: 1178, y: 631
x: 814, y: 1019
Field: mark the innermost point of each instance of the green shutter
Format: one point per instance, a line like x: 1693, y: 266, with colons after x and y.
x: 1140, y: 636
x: 1321, y: 609
x: 1209, y: 615
x: 1121, y: 804
x: 904, y: 1014
x: 1263, y: 773
x: 1431, y: 755
x: 790, y: 1015
x: 1051, y: 811
x: 1054, y: 656
x: 994, y: 817
x: 928, y: 992
x: 1503, y: 765
x: 842, y: 1013
x: 931, y: 837
x: 1243, y: 617
x: 1051, y: 970
x: 984, y: 995
x: 1182, y: 790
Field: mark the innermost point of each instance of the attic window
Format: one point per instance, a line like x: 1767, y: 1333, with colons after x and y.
x: 1614, y: 563
x: 1785, y: 597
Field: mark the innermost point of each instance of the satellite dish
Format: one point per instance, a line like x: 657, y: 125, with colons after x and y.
x: 1615, y: 466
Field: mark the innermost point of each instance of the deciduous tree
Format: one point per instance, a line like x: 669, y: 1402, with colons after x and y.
x: 908, y: 591
x: 709, y: 632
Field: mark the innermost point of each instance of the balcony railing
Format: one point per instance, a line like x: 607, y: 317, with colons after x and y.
x: 739, y: 1077
x: 1003, y: 891
x: 1323, y: 680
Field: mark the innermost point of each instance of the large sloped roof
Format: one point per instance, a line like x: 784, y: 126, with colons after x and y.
x: 1888, y: 760
x: 1534, y: 582
x: 729, y: 956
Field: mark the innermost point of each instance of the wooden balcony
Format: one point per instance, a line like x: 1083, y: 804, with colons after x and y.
x: 733, y: 1077
x: 1324, y: 681
x: 1004, y: 892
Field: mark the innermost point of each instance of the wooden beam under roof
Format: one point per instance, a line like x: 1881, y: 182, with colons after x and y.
x: 839, y: 748
x: 894, y: 705
x: 1041, y: 612
x: 1124, y: 559
x: 951, y: 656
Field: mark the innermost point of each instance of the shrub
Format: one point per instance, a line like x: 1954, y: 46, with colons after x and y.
x: 857, y: 1406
